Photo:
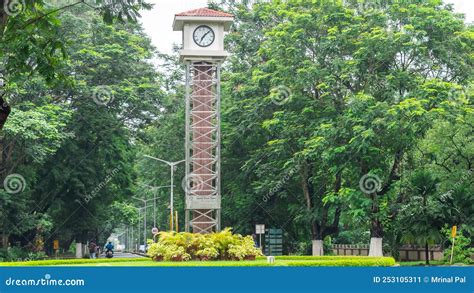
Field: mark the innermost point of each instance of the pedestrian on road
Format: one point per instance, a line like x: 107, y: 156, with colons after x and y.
x: 92, y: 249
x: 109, y: 247
x: 255, y: 242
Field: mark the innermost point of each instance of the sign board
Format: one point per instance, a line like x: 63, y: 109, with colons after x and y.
x: 56, y: 244
x: 259, y: 229
x: 155, y: 230
x: 274, y: 242
x: 454, y: 231
x: 197, y: 202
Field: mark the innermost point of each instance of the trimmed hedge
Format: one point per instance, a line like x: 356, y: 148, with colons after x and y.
x: 324, y: 257
x: 340, y: 262
x: 290, y: 261
x: 55, y: 262
x: 349, y: 262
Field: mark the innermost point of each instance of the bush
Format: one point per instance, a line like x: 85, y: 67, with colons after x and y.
x: 223, y: 240
x: 462, y: 250
x: 244, y: 250
x: 20, y: 254
x: 172, y: 246
x: 345, y: 262
x: 208, y: 253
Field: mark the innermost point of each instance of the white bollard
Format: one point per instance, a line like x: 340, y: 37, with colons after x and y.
x: 270, y: 259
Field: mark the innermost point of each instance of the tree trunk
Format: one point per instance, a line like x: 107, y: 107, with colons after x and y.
x: 317, y: 240
x: 316, y: 235
x: 375, y: 248
x: 3, y: 16
x: 4, y: 112
x: 427, y: 254
x: 4, y: 240
x: 4, y: 107
x: 4, y: 234
x: 376, y: 230
x: 318, y: 249
x: 79, y: 250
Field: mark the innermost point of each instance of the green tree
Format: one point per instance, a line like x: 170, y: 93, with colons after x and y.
x: 344, y: 92
x: 88, y: 170
x: 30, y: 38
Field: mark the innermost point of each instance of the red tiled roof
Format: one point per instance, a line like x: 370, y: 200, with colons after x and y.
x: 204, y: 12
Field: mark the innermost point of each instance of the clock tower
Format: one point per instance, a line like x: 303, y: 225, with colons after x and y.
x: 203, y: 52
x: 203, y: 34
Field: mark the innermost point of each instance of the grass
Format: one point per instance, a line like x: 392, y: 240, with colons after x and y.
x: 287, y: 261
x: 80, y: 261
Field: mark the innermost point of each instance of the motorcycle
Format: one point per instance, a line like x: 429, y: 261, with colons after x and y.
x: 109, y: 254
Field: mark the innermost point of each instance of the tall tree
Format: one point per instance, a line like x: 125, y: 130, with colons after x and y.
x: 343, y: 92
x: 29, y: 35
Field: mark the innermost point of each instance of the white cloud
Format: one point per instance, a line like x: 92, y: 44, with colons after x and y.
x: 158, y: 22
x: 464, y: 6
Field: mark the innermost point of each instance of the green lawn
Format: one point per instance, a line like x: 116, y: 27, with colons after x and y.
x: 292, y: 261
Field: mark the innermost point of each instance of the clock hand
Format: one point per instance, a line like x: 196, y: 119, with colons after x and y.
x: 204, y: 36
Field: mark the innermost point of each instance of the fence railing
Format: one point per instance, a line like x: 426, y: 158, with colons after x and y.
x: 407, y: 252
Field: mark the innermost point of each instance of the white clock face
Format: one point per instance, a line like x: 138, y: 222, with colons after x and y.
x: 203, y: 36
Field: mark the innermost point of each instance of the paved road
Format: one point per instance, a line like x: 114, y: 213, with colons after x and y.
x: 118, y: 254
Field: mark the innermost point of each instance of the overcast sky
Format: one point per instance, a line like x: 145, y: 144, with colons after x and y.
x: 158, y: 22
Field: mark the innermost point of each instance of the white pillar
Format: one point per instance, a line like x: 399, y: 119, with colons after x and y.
x: 79, y: 250
x: 375, y: 248
x: 318, y: 249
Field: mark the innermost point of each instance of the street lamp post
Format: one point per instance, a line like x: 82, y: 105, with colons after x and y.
x: 155, y: 189
x: 144, y: 218
x: 172, y: 165
x: 138, y: 238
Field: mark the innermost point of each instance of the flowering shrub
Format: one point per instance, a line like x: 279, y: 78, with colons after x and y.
x: 172, y: 246
x: 244, y: 250
x: 207, y: 253
x: 157, y: 251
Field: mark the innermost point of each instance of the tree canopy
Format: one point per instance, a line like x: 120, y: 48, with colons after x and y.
x: 342, y: 122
